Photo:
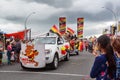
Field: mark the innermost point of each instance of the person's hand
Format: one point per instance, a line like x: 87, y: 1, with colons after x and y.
x: 95, y: 50
x: 107, y: 63
x: 95, y: 53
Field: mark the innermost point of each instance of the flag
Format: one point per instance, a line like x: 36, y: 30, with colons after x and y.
x: 71, y: 31
x: 55, y: 30
x: 80, y: 24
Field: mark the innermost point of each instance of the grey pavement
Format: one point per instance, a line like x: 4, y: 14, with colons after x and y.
x: 77, y: 68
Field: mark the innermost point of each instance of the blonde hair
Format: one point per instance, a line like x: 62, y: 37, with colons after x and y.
x: 116, y: 44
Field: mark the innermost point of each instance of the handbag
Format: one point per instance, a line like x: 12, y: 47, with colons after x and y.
x: 12, y: 56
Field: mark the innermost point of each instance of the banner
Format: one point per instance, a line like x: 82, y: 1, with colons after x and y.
x: 80, y: 24
x: 119, y: 26
x: 17, y: 35
x: 62, y: 25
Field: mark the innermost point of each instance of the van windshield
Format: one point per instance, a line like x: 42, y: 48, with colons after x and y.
x: 46, y: 40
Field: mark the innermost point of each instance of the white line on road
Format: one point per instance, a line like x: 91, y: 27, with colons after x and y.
x: 48, y: 73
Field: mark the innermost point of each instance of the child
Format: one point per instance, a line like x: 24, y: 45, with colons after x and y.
x: 104, y: 65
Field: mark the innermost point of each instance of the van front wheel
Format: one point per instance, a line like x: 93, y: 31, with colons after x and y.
x: 54, y: 64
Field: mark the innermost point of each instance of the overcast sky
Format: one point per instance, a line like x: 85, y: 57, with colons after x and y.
x: 47, y: 12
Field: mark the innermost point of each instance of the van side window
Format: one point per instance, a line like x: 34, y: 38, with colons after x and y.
x: 60, y: 40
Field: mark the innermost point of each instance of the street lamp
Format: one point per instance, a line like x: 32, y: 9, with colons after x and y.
x: 113, y: 14
x: 25, y: 24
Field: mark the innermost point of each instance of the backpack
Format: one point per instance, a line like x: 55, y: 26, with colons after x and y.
x: 117, y: 68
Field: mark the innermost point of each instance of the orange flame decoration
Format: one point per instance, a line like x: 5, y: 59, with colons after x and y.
x: 64, y: 48
x: 30, y: 53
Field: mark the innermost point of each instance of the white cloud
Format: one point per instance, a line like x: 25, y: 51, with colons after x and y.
x: 93, y: 6
x: 9, y: 28
x: 14, y: 12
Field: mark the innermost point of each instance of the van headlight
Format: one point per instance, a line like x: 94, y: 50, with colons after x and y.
x: 48, y: 51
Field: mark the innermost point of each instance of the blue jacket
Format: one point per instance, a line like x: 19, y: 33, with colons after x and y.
x: 99, y: 68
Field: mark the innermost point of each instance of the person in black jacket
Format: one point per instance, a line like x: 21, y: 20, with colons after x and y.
x: 1, y: 51
x: 18, y: 49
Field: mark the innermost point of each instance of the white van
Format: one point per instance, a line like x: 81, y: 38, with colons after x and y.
x: 45, y: 50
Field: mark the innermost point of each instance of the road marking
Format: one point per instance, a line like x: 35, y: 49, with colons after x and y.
x: 48, y: 73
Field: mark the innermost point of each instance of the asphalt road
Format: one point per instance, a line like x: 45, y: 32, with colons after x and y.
x: 77, y: 68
